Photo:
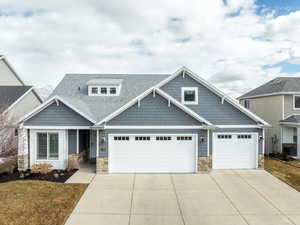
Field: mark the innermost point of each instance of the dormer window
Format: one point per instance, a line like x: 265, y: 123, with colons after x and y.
x: 189, y: 95
x: 103, y: 90
x: 94, y: 90
x: 104, y: 87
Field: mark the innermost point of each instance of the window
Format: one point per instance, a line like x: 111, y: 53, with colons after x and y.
x: 47, y: 146
x: 224, y: 136
x: 163, y: 138
x: 189, y: 95
x: 113, y: 90
x: 94, y: 90
x: 121, y: 138
x: 184, y: 138
x: 142, y: 138
x: 244, y: 136
x: 247, y: 104
x: 103, y: 91
x: 296, y: 101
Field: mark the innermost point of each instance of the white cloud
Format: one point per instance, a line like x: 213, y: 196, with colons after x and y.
x: 226, y: 44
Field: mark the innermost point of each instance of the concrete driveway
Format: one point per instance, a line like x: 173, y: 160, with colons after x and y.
x: 221, y: 197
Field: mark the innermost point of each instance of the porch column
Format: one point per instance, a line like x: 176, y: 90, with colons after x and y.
x: 298, y: 142
x: 23, y: 162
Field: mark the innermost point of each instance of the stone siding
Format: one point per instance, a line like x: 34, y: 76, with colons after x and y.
x: 261, y: 161
x: 204, y: 164
x: 102, y: 165
x: 23, y: 162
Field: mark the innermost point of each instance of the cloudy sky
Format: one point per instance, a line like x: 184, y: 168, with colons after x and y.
x: 235, y: 44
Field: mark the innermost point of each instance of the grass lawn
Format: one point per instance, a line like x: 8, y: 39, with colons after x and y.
x: 37, y: 202
x: 283, y: 171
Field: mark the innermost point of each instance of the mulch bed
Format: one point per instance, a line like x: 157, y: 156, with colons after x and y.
x: 288, y: 160
x: 54, y: 175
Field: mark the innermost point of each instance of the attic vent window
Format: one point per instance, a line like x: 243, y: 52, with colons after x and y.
x: 104, y: 87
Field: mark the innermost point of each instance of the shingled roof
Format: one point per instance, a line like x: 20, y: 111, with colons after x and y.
x: 277, y: 85
x: 10, y: 94
x: 73, y: 89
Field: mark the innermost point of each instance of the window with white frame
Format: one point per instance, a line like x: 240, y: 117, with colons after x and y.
x: 189, y: 95
x: 47, y: 146
x: 104, y: 90
x: 296, y: 101
x: 247, y: 104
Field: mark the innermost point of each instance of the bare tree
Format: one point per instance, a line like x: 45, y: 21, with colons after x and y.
x: 8, y: 134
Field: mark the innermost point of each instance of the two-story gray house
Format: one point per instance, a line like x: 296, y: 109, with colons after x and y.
x: 278, y: 103
x: 143, y: 123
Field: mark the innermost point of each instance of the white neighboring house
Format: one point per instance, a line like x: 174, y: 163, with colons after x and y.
x: 16, y: 98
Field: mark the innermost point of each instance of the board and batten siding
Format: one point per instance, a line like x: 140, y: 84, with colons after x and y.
x: 153, y: 111
x: 57, y: 115
x: 103, y: 145
x: 209, y: 104
x: 238, y: 130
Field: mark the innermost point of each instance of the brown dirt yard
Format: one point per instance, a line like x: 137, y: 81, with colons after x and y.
x: 37, y: 202
x: 284, y: 171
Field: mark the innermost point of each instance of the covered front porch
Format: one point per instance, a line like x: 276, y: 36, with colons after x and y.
x: 291, y: 135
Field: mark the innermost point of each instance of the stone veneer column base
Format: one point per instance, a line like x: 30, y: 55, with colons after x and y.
x: 261, y: 161
x: 204, y: 163
x: 102, y: 165
x: 23, y: 162
x: 73, y: 162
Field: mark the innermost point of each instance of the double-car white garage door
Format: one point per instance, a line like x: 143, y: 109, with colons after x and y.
x: 235, y: 150
x: 159, y: 153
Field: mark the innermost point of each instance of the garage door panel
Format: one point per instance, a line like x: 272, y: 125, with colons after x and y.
x: 157, y: 155
x: 234, y: 150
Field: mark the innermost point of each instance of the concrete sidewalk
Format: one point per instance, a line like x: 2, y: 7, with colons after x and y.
x: 222, y: 197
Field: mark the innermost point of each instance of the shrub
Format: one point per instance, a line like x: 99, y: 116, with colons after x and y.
x: 8, y: 165
x: 42, y: 168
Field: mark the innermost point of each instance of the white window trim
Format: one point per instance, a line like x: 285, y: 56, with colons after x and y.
x: 183, y: 89
x: 48, y: 144
x: 294, y: 107
x: 118, y: 88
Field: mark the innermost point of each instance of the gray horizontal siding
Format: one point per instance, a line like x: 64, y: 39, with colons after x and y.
x: 209, y: 106
x: 103, y: 146
x: 242, y: 130
x: 58, y: 115
x: 72, y: 141
x: 154, y: 111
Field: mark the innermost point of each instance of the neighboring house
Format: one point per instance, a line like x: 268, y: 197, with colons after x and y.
x: 278, y: 103
x: 176, y: 123
x: 16, y: 98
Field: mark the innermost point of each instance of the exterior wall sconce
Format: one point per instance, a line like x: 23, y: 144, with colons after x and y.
x: 201, y: 139
x: 103, y: 139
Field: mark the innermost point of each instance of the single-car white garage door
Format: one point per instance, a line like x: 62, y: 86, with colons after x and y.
x: 235, y: 150
x: 159, y: 153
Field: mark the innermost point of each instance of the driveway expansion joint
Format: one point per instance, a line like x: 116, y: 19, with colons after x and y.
x: 131, y: 203
x: 264, y: 197
x: 177, y: 200
x: 231, y: 202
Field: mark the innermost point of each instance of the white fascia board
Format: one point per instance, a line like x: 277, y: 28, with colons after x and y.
x: 270, y: 94
x: 289, y: 124
x: 47, y: 103
x: 183, y: 107
x: 56, y: 127
x: 216, y: 91
x: 153, y: 127
x: 238, y: 126
x: 18, y: 100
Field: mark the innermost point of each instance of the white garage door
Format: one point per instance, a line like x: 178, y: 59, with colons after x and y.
x: 152, y: 153
x: 235, y: 150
